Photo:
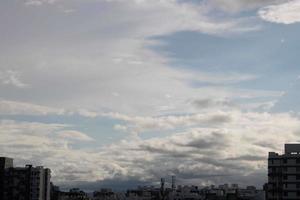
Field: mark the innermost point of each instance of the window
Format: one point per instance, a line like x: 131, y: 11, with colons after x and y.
x: 285, y: 169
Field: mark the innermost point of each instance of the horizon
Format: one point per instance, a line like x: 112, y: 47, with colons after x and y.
x: 134, y: 185
x: 124, y: 92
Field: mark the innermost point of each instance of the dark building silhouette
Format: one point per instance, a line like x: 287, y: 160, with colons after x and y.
x: 284, y: 174
x: 23, y: 183
x: 73, y: 194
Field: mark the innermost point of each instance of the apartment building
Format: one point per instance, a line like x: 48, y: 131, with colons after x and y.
x: 284, y: 174
x: 23, y: 183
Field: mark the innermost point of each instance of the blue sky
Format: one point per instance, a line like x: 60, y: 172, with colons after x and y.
x: 121, y: 92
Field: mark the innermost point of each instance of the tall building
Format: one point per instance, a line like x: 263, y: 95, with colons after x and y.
x: 23, y: 183
x: 173, y: 182
x: 284, y: 174
x: 5, y: 163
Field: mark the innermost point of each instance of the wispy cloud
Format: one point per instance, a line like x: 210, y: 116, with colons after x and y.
x: 39, y: 2
x: 74, y: 135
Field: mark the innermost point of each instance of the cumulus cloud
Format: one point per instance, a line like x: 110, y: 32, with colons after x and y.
x: 284, y: 13
x: 211, y: 153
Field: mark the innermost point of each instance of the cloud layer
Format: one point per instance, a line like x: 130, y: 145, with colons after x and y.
x: 208, y: 153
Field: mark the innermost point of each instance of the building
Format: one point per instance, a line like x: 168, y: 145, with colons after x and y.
x: 193, y: 192
x: 284, y: 174
x: 105, y: 194
x: 5, y: 163
x: 23, y: 183
x: 72, y: 194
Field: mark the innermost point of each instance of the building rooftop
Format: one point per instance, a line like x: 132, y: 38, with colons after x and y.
x: 292, y: 148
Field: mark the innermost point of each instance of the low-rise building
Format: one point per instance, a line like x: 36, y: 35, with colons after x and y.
x: 105, y: 194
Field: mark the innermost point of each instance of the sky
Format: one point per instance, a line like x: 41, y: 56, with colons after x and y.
x: 119, y: 93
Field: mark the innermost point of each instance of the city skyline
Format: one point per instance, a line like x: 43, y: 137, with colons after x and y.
x: 124, y: 92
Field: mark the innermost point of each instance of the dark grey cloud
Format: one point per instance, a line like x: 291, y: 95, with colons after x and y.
x: 215, y: 140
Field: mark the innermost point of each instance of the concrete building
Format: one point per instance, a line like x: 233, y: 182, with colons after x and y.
x: 23, y: 183
x: 284, y: 174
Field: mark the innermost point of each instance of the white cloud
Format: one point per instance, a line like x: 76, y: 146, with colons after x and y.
x: 284, y: 13
x: 74, y: 135
x: 11, y: 78
x: 120, y: 127
x: 39, y: 2
x: 86, y: 113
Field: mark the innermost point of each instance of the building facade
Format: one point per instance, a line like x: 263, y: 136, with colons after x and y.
x: 284, y: 174
x: 23, y: 183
